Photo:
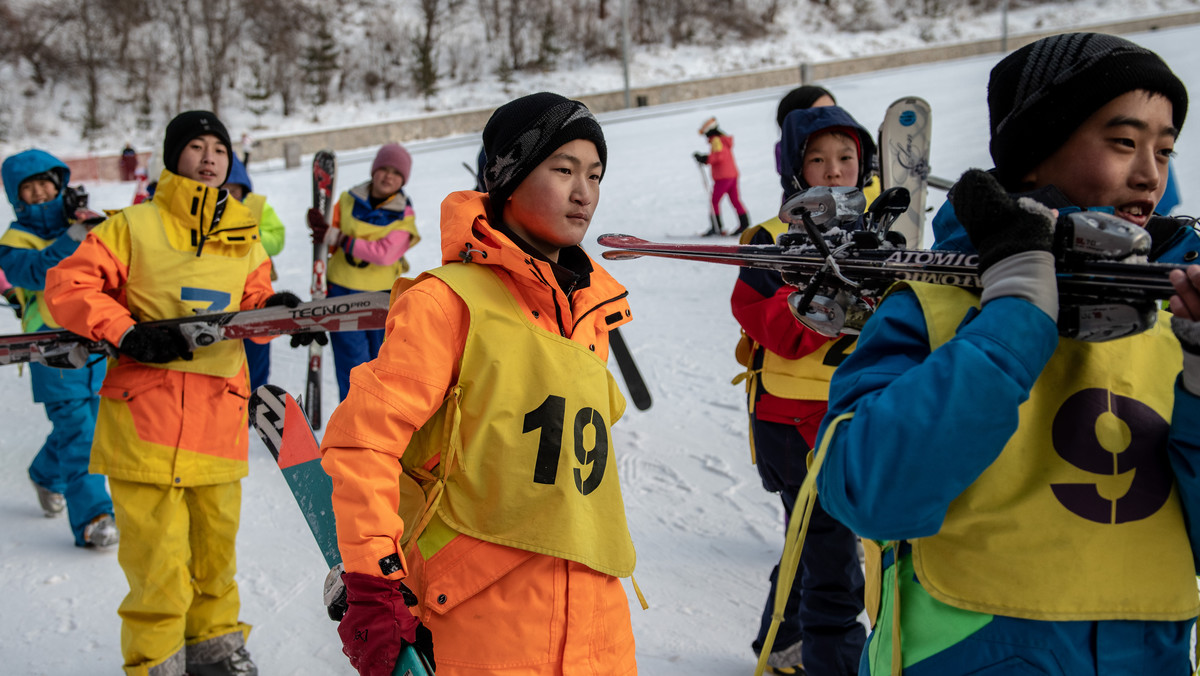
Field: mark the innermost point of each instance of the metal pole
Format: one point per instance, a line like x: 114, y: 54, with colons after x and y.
x: 625, y: 47
x: 1004, y: 26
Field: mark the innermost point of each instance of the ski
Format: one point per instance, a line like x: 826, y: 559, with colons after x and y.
x: 1105, y: 292
x: 877, y: 269
x: 638, y: 391
x: 354, y: 312
x: 904, y: 139
x: 324, y: 171
x: 284, y: 429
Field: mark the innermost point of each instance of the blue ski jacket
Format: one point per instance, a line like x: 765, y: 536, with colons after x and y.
x: 26, y: 267
x: 928, y: 423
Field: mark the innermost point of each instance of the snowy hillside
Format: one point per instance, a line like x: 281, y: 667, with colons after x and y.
x: 803, y: 31
x: 707, y: 534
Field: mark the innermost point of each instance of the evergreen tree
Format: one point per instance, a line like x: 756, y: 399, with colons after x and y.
x: 320, y: 63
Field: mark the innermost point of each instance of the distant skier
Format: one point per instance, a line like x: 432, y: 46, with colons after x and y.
x: 44, y: 234
x: 373, y: 227
x: 129, y: 163
x: 724, y: 174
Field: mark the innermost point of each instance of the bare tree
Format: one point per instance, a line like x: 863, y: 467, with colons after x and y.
x: 432, y: 15
x: 220, y: 26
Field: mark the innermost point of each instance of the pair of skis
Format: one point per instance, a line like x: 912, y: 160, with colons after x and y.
x: 1105, y: 290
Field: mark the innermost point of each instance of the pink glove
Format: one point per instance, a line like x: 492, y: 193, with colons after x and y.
x: 378, y: 624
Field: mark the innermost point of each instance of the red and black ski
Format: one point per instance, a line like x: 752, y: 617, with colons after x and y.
x: 324, y: 171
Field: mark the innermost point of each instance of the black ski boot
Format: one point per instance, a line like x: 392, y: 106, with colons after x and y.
x: 743, y: 223
x: 715, y: 227
x: 238, y: 663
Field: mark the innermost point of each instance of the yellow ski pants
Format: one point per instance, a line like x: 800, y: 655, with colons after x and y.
x: 177, y: 552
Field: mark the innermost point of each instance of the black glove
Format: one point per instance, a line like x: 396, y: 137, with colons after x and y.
x: 289, y: 299
x: 306, y: 338
x: 154, y: 344
x: 998, y: 225
x: 701, y: 158
x: 284, y: 298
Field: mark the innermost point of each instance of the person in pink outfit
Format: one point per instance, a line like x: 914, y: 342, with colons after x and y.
x: 724, y: 174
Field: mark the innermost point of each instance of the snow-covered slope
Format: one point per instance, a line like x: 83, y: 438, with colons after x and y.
x: 706, y: 532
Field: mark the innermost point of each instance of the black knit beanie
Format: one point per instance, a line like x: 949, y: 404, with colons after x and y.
x: 524, y: 132
x: 800, y: 98
x: 190, y: 125
x: 1040, y: 94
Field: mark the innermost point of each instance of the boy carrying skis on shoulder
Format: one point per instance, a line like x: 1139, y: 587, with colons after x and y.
x: 1033, y: 500
x: 172, y: 431
x: 492, y: 395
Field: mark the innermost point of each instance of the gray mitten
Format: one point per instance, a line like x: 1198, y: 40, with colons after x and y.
x: 1188, y: 333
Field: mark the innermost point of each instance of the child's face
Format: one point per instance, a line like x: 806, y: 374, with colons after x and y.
x: 830, y: 159
x: 1116, y: 158
x: 552, y: 208
x: 37, y: 191
x: 385, y: 182
x: 236, y: 191
x: 204, y: 159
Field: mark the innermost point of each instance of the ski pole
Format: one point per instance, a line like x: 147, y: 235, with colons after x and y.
x: 712, y: 212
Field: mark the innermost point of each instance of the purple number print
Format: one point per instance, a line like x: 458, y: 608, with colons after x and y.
x: 1074, y: 438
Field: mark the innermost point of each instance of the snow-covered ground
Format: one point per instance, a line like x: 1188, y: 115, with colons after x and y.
x: 706, y: 532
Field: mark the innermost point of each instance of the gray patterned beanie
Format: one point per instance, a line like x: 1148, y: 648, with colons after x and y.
x: 1040, y: 94
x: 524, y: 132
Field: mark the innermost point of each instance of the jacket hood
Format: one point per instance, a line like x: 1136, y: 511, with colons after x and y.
x: 801, y: 124
x: 47, y: 220
x: 238, y: 175
x: 466, y: 232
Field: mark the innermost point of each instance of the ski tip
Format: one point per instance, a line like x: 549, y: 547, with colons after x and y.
x: 621, y: 255
x: 617, y: 239
x: 266, y: 408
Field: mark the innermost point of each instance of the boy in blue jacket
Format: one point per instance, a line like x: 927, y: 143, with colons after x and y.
x: 43, y: 235
x: 1033, y: 500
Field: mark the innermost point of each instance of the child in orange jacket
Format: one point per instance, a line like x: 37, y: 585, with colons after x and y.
x: 465, y: 463
x: 171, y: 433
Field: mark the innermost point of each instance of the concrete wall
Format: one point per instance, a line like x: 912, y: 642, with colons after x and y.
x: 472, y: 121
